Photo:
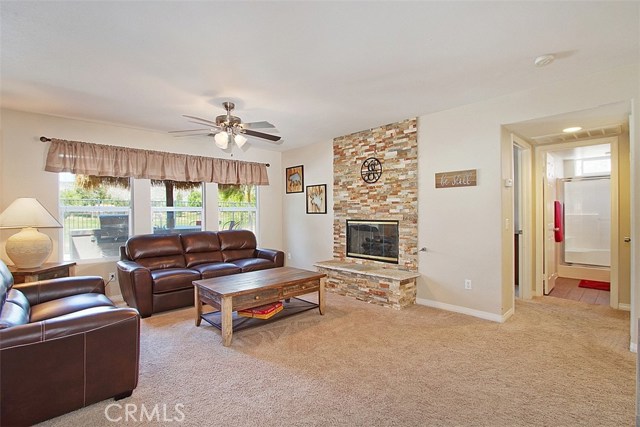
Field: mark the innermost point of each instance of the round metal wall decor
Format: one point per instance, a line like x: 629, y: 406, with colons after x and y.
x: 371, y: 170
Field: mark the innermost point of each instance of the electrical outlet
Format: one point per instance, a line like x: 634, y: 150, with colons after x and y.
x: 112, y: 276
x: 288, y: 255
x: 467, y: 283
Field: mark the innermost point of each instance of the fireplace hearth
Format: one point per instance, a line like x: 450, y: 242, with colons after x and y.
x: 375, y: 240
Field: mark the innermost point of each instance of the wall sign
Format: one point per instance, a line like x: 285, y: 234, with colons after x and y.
x: 456, y: 179
x: 371, y: 170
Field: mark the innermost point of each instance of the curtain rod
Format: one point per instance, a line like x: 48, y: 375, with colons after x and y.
x: 45, y: 139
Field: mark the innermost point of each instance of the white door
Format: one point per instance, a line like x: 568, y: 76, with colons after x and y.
x: 550, y: 245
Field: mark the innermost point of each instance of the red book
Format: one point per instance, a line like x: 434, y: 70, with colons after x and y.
x: 262, y: 312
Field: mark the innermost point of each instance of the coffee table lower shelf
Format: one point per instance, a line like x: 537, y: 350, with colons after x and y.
x: 294, y: 306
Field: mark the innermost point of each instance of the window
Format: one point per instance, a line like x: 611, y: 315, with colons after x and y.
x: 237, y: 207
x: 96, y: 215
x: 594, y: 166
x: 176, y: 207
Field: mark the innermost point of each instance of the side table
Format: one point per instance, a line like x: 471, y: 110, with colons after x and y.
x: 48, y: 270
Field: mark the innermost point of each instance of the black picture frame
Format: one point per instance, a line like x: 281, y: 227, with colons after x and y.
x: 294, y: 179
x: 317, y: 199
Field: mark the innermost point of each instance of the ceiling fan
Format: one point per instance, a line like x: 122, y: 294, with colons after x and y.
x: 226, y: 127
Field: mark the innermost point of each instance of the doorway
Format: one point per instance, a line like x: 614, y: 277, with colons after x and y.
x: 584, y: 202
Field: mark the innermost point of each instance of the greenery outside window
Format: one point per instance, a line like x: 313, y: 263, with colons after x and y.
x: 176, y: 207
x: 237, y: 207
x: 96, y: 214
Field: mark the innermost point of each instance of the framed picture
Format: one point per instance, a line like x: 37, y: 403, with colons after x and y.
x: 295, y: 179
x: 317, y: 199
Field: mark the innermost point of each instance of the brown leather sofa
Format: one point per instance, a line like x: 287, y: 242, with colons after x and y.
x: 156, y: 272
x: 63, y: 346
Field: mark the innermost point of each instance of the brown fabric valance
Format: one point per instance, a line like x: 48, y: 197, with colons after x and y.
x: 108, y: 160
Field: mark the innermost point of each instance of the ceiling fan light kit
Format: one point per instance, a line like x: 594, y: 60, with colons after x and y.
x: 227, y: 126
x: 222, y: 140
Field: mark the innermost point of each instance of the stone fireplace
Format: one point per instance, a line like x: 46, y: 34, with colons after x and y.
x: 392, y: 199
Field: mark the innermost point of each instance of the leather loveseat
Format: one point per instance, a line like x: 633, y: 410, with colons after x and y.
x: 63, y: 346
x: 156, y: 272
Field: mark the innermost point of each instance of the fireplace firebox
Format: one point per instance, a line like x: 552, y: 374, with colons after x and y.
x: 373, y: 240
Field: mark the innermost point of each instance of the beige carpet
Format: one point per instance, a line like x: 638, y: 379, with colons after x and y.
x: 555, y: 363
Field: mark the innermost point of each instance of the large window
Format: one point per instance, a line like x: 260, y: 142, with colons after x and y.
x: 96, y: 215
x: 237, y: 207
x: 176, y: 207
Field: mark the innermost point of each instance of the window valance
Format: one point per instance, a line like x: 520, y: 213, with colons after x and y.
x: 108, y: 160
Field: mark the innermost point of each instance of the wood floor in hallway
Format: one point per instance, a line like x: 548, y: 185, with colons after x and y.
x: 568, y: 289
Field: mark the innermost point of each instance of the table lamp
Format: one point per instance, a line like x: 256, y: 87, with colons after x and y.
x: 29, y: 248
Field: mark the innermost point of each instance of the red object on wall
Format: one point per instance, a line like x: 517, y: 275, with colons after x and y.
x: 558, y: 221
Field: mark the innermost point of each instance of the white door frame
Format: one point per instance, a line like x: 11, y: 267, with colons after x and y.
x: 525, y: 197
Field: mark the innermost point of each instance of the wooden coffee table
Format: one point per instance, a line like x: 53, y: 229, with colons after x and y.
x: 227, y: 294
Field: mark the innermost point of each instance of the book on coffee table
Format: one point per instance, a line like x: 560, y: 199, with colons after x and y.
x: 263, y: 312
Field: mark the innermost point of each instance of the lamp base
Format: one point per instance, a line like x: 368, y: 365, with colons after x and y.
x: 29, y: 248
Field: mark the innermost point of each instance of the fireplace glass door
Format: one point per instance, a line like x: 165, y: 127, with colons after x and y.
x: 374, y: 240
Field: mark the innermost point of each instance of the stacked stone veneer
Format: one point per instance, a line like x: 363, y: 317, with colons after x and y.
x: 393, y: 197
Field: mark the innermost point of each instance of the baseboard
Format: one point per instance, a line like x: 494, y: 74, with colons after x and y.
x: 624, y: 307
x: 465, y: 310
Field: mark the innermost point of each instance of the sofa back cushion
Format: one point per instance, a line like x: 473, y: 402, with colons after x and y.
x: 201, y: 247
x: 15, y: 311
x: 156, y: 251
x: 237, y: 244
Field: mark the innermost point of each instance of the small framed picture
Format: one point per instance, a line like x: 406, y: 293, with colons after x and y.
x: 317, y: 199
x: 295, y: 179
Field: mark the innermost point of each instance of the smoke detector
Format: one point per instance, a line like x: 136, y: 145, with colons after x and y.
x: 543, y: 60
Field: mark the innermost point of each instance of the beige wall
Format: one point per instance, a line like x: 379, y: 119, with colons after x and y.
x: 308, y: 238
x: 463, y: 228
x: 22, y: 173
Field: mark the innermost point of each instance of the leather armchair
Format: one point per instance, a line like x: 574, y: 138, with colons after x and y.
x: 63, y: 346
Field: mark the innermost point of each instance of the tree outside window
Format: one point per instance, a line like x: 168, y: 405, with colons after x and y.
x: 237, y: 207
x: 176, y: 206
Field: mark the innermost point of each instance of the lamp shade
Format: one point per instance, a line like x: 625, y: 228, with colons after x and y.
x: 29, y: 248
x: 27, y: 212
x: 222, y: 139
x: 240, y: 140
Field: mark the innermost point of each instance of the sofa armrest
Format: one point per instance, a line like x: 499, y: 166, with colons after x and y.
x: 89, y: 356
x: 277, y: 257
x: 47, y: 290
x: 80, y: 322
x: 136, y: 286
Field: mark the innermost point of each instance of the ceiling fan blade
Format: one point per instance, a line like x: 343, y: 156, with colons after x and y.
x: 258, y: 125
x: 212, y: 128
x: 188, y: 130
x: 261, y: 135
x: 203, y: 121
x: 193, y: 134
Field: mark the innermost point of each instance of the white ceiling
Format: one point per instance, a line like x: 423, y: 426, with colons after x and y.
x: 316, y: 70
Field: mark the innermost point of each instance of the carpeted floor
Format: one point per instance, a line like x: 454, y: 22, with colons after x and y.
x: 555, y: 363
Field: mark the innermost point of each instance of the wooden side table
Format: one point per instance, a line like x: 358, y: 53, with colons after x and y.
x: 48, y: 270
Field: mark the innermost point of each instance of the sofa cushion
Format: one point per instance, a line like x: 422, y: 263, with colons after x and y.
x: 217, y: 269
x: 67, y: 305
x: 237, y: 244
x: 253, y: 264
x: 201, y: 248
x: 156, y: 252
x: 172, y: 279
x: 15, y: 310
x: 6, y: 282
